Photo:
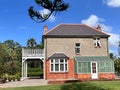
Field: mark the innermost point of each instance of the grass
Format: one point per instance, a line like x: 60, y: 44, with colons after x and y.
x: 94, y: 85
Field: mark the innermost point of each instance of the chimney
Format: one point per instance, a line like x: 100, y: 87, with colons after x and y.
x: 45, y: 29
x: 99, y: 28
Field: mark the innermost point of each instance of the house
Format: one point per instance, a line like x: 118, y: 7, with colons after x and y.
x: 76, y: 51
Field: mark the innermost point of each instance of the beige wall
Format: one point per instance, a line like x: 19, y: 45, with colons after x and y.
x: 67, y: 46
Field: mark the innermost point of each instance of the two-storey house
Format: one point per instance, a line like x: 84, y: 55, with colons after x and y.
x: 76, y: 51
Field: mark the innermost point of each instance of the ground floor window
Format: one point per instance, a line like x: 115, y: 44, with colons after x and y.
x: 105, y: 67
x: 59, y: 65
x: 84, y: 67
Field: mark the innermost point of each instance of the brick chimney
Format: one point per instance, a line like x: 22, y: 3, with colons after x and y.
x: 45, y: 28
x: 99, y: 28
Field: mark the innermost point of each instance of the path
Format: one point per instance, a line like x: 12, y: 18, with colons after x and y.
x: 27, y: 82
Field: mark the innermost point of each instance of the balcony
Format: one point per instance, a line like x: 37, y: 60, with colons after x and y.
x: 32, y: 53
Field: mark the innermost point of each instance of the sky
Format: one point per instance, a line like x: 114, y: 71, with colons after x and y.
x: 15, y: 24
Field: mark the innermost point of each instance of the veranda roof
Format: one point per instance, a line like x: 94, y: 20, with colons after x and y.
x: 92, y: 58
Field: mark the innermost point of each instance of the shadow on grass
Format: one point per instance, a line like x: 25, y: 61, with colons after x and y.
x: 82, y: 86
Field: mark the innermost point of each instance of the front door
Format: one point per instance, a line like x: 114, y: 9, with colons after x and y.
x: 94, y: 70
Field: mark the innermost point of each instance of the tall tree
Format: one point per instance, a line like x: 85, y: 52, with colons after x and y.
x: 112, y: 56
x: 31, y: 43
x: 10, y: 57
x: 54, y: 7
x: 119, y: 48
x: 11, y: 44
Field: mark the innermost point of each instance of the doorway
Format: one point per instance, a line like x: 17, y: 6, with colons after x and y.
x: 34, y: 69
x: 94, y: 70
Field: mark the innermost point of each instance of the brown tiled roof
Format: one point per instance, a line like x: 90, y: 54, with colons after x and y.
x: 74, y: 30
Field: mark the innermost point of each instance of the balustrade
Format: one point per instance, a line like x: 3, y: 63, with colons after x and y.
x: 32, y: 52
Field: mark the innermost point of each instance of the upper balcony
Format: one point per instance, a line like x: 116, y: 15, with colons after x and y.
x: 32, y: 53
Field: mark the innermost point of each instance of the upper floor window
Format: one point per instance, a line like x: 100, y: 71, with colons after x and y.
x: 59, y: 65
x: 77, y: 48
x: 97, y: 42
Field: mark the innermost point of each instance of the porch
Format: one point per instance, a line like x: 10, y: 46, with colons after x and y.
x: 30, y: 54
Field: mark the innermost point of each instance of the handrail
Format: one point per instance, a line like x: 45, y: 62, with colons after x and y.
x: 32, y: 52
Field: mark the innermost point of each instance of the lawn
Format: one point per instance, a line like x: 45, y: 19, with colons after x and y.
x: 94, y: 85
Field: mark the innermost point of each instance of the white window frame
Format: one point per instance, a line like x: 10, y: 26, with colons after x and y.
x: 77, y: 47
x: 59, y: 63
x: 97, y: 42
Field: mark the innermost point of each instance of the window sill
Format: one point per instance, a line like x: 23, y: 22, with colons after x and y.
x: 59, y: 72
x: 77, y: 53
x: 97, y: 47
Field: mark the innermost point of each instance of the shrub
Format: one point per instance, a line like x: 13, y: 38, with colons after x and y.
x: 34, y: 72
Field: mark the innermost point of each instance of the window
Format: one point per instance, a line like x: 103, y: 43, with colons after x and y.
x: 59, y: 65
x: 97, y: 42
x: 84, y: 67
x: 105, y: 67
x: 77, y: 48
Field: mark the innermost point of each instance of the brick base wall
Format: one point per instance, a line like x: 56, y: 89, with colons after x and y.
x: 106, y: 76
x: 101, y: 76
x: 83, y: 77
x: 59, y: 75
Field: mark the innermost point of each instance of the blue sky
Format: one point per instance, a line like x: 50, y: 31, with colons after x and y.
x: 15, y: 24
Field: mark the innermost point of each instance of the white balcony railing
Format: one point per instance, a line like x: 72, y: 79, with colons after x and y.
x: 32, y: 52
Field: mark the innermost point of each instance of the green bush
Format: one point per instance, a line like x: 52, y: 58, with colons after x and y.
x: 9, y: 78
x: 18, y: 75
x: 34, y: 72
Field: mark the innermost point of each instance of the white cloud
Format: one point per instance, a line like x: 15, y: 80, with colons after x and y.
x: 112, y: 3
x: 93, y: 21
x: 52, y: 18
x: 45, y: 11
x: 106, y: 28
x: 113, y: 40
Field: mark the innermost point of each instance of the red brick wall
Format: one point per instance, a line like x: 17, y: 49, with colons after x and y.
x: 101, y: 76
x: 58, y: 75
x: 83, y: 76
x: 106, y: 76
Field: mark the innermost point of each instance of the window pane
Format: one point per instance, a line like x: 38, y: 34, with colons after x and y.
x: 65, y: 60
x: 56, y: 61
x: 61, y: 67
x: 51, y: 67
x: 65, y: 67
x: 51, y: 60
x: 84, y: 67
x: 77, y: 50
x: 101, y: 66
x: 61, y: 60
x: 77, y: 44
x: 56, y: 67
